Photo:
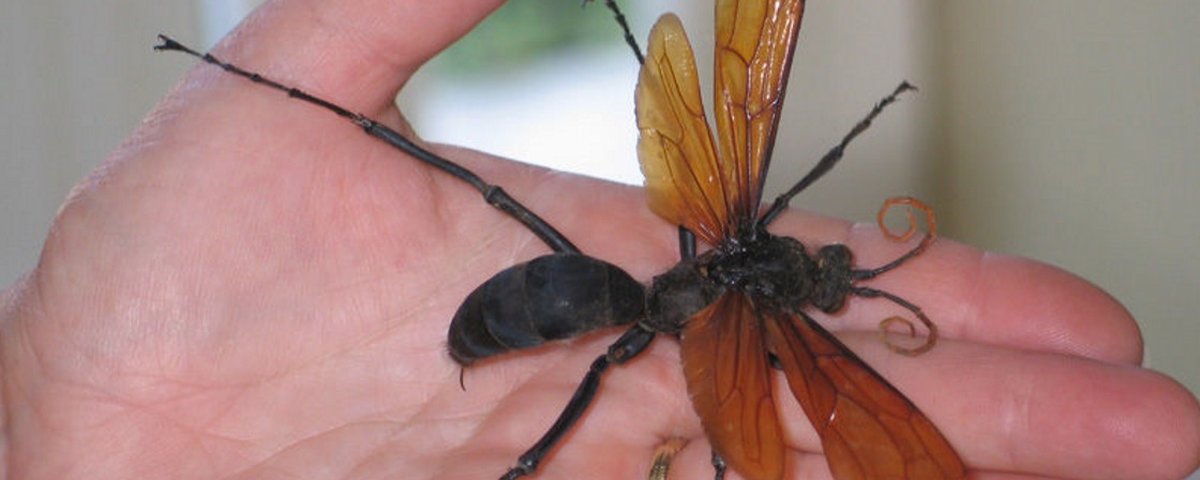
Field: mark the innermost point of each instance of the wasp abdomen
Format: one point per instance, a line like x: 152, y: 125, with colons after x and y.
x: 548, y: 298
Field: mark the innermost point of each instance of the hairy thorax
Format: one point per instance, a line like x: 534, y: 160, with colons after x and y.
x: 776, y: 273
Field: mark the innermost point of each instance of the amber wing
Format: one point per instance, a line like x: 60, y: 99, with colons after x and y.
x: 690, y: 182
x: 868, y: 429
x: 684, y: 180
x: 755, y: 42
x: 725, y: 362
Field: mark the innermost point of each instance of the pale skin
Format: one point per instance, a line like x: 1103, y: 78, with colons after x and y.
x: 252, y: 288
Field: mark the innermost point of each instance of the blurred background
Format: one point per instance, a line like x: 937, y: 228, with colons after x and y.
x: 1064, y: 131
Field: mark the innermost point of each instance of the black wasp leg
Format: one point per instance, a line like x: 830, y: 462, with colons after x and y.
x: 831, y: 158
x: 494, y: 195
x: 620, y: 18
x: 629, y: 40
x: 632, y: 343
x: 663, y: 455
x: 687, y: 244
x: 718, y: 464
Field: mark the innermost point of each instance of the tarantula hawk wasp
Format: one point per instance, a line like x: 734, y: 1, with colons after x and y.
x: 737, y: 308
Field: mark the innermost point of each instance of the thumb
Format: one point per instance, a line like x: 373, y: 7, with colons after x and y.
x: 358, y: 53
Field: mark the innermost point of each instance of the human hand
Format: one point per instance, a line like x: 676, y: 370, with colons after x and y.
x: 251, y: 288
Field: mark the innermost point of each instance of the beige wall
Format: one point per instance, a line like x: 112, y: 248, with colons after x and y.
x: 76, y: 77
x: 1070, y: 132
x: 1066, y: 131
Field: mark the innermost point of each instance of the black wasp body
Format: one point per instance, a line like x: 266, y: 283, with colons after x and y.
x: 777, y: 272
x: 561, y: 296
x: 552, y: 297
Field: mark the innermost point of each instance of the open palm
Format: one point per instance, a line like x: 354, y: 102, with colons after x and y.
x: 252, y: 288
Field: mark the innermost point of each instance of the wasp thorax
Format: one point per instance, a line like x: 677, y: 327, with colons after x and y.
x: 774, y: 271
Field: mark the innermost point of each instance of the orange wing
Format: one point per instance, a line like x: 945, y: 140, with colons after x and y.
x: 684, y: 181
x: 688, y: 181
x: 755, y: 42
x: 868, y: 428
x: 725, y: 362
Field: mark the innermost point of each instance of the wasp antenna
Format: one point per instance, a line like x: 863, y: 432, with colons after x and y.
x: 913, y: 204
x: 885, y: 325
x: 930, y: 234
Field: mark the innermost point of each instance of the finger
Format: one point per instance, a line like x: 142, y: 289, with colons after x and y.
x: 1038, y: 413
x: 359, y: 53
x: 976, y: 295
x: 1017, y: 302
x: 1009, y: 301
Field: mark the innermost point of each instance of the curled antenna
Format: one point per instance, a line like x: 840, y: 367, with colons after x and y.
x: 867, y: 292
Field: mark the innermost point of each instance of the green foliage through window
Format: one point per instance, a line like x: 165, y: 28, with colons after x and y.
x: 523, y: 30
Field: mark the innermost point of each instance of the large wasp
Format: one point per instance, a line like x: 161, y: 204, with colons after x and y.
x: 739, y: 308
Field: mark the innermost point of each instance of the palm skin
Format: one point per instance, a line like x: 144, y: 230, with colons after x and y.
x: 252, y: 288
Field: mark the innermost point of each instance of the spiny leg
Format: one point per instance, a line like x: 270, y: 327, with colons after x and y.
x: 719, y: 466
x: 832, y: 157
x: 632, y: 343
x: 620, y: 18
x: 687, y: 244
x: 492, y: 194
x: 663, y: 455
